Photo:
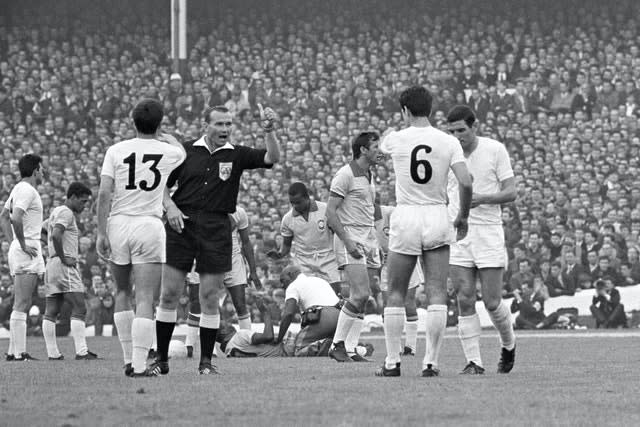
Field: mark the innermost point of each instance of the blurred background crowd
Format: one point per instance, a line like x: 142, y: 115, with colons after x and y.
x: 557, y: 82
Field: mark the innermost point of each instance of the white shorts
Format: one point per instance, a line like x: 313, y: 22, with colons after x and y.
x: 136, y: 240
x: 323, y: 265
x: 414, y: 229
x: 60, y: 278
x: 483, y: 247
x: 238, y: 274
x: 367, y: 243
x: 417, y: 277
x: 21, y: 263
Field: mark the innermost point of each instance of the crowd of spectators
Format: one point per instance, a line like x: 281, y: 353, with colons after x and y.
x: 557, y: 82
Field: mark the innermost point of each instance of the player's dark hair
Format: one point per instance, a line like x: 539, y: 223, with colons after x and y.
x: 461, y: 112
x: 363, y: 140
x: 217, y: 108
x: 28, y: 164
x: 418, y: 101
x: 78, y: 189
x: 147, y: 116
x: 298, y: 189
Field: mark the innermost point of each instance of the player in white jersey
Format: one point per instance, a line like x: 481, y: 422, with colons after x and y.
x: 130, y: 229
x: 383, y: 220
x: 304, y: 228
x: 482, y: 254
x: 420, y: 227
x: 62, y: 278
x: 22, y: 222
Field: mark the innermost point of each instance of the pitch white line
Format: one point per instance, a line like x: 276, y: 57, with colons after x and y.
x: 539, y: 335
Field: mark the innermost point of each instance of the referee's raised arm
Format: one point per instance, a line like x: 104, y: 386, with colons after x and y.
x: 267, y: 120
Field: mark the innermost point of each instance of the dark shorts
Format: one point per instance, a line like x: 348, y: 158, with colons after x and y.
x: 205, y: 238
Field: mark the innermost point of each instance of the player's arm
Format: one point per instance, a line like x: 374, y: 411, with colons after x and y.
x: 268, y: 118
x: 466, y: 193
x: 289, y: 312
x: 247, y: 251
x: 266, y: 337
x: 105, y: 194
x: 56, y: 238
x: 174, y: 215
x: 284, y: 251
x: 17, y: 219
x: 335, y: 201
x: 506, y: 194
x: 5, y: 223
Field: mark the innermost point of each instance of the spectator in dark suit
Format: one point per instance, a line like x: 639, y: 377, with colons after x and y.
x: 524, y: 275
x: 570, y: 273
x: 529, y: 302
x: 606, y: 306
x: 501, y: 101
x: 605, y: 270
x: 480, y: 103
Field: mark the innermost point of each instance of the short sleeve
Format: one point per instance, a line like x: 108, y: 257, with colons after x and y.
x: 285, y: 225
x: 243, y: 219
x: 252, y: 158
x: 292, y: 293
x: 457, y: 155
x: 387, y: 142
x: 63, y: 218
x: 503, y: 164
x: 341, y: 183
x: 109, y: 164
x: 22, y: 199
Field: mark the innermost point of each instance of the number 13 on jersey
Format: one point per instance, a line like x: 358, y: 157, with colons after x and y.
x: 154, y: 159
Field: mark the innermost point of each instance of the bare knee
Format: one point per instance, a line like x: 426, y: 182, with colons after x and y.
x: 169, y: 297
x: 491, y: 303
x: 395, y: 299
x: 467, y: 303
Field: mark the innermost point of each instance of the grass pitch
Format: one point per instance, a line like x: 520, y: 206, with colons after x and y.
x: 568, y: 378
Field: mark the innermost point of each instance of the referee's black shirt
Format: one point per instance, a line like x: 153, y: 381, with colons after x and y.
x: 209, y: 182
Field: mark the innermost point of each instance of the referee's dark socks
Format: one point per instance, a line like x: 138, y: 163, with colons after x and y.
x: 209, y: 324
x: 165, y: 323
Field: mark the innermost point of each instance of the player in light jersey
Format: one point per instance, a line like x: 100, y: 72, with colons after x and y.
x: 304, y: 228
x: 482, y: 254
x: 420, y: 226
x: 62, y: 278
x: 350, y: 214
x: 130, y: 229
x: 22, y: 222
x: 383, y: 219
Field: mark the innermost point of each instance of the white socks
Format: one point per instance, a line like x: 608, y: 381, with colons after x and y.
x: 393, y: 325
x: 411, y: 331
x: 210, y: 321
x: 123, y: 321
x: 244, y: 322
x: 345, y: 322
x: 351, y: 342
x: 501, y: 319
x: 469, y: 330
x: 141, y: 339
x: 436, y: 326
x: 166, y: 316
x: 78, y: 332
x: 18, y: 325
x: 49, y: 332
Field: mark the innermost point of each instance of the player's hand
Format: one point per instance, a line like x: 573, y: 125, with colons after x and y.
x: 253, y: 278
x: 167, y: 137
x: 268, y: 118
x: 477, y: 200
x: 274, y: 255
x: 30, y: 250
x: 68, y: 261
x: 260, y: 304
x: 175, y: 218
x: 352, y: 249
x: 103, y: 247
x: 462, y: 228
x: 387, y: 132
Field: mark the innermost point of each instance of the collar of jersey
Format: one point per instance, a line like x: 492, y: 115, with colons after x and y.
x: 312, y: 208
x: 357, y: 170
x: 201, y: 143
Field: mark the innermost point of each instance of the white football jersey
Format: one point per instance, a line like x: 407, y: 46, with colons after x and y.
x: 239, y: 221
x: 422, y: 157
x: 488, y: 165
x: 140, y: 169
x: 25, y: 197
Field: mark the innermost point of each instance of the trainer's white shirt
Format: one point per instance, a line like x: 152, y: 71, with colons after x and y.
x: 240, y: 221
x: 25, y: 197
x: 488, y: 165
x: 420, y: 145
x: 140, y: 194
x: 309, y: 291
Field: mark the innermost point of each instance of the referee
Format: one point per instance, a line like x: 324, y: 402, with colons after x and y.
x: 198, y: 225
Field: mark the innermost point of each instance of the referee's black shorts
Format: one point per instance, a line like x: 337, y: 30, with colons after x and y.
x: 205, y: 238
